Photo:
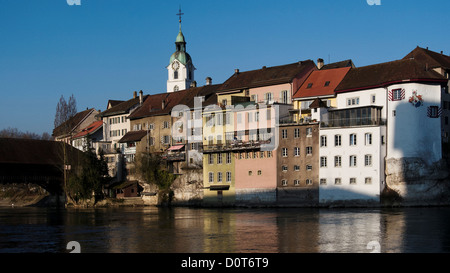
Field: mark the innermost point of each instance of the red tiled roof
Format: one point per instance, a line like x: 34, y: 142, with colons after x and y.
x: 379, y: 75
x: 321, y: 83
x: 267, y: 76
x: 92, y: 128
x: 72, y: 123
x: 153, y: 104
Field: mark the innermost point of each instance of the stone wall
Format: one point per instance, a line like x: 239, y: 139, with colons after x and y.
x: 418, y: 183
x: 188, y: 188
x: 252, y: 196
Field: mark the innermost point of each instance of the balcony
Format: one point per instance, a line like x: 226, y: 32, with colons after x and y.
x: 235, y: 146
x: 181, y: 156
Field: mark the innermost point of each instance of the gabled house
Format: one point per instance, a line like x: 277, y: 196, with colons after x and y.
x: 92, y: 134
x: 74, y: 125
x: 115, y: 126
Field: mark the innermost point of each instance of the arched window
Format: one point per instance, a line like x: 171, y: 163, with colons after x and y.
x: 175, y: 74
x: 176, y: 88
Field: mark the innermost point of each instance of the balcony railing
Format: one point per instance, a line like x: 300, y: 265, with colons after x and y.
x: 175, y: 157
x: 350, y: 122
x: 235, y: 146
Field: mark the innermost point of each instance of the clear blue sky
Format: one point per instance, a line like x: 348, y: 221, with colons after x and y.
x: 106, y: 49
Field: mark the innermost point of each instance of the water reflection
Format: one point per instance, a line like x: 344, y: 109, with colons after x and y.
x: 165, y: 230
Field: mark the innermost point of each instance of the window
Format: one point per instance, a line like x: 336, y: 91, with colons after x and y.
x: 269, y: 153
x: 165, y: 125
x: 353, y: 161
x: 239, y: 118
x: 259, y: 172
x: 368, y: 180
x: 284, y: 133
x: 433, y: 111
x: 254, y: 97
x: 352, y: 139
x: 228, y: 177
x: 284, y: 182
x: 373, y: 99
x: 327, y: 83
x: 308, y: 131
x: 261, y: 154
x: 284, y: 152
x: 296, y: 132
x: 337, y: 161
x: 368, y: 139
x: 219, y: 158
x: 210, y: 159
x: 175, y: 74
x: 398, y: 94
x: 268, y: 96
x: 219, y: 177
x: 228, y: 158
x: 308, y: 182
x: 309, y: 150
x: 337, y: 140
x: 368, y: 160
x: 323, y: 141
x: 249, y: 117
x: 323, y: 181
x: 323, y: 161
x: 394, y: 113
x: 308, y: 167
x: 352, y: 101
x: 256, y: 116
x: 296, y: 151
x: 337, y: 181
x: 166, y: 140
x: 284, y: 168
x: 284, y: 97
x: 176, y: 88
x: 309, y: 85
x: 296, y: 168
x: 250, y: 173
x: 352, y: 180
x: 211, y: 177
x: 296, y: 182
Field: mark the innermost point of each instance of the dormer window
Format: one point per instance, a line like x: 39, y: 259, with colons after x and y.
x: 327, y: 83
x: 309, y: 85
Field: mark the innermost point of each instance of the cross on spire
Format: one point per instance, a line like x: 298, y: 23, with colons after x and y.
x: 179, y: 14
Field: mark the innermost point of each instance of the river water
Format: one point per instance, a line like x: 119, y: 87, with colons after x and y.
x: 233, y: 230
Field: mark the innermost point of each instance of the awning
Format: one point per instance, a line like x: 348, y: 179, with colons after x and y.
x: 219, y: 187
x: 175, y: 147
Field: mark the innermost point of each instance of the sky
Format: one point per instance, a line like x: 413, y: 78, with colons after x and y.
x: 106, y: 49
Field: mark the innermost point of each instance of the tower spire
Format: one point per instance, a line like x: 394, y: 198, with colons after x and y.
x: 179, y: 15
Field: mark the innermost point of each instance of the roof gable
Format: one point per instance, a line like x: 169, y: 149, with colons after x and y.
x: 430, y: 58
x: 71, y: 124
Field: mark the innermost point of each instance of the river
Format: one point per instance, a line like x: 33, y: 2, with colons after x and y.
x: 230, y: 230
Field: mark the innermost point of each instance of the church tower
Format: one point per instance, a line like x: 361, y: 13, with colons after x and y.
x: 180, y: 68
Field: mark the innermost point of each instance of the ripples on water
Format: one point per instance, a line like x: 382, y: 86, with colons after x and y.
x: 189, y: 230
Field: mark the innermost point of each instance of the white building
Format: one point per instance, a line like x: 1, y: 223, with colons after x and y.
x: 386, y: 116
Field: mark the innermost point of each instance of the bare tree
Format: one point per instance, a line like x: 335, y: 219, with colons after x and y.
x: 65, y: 110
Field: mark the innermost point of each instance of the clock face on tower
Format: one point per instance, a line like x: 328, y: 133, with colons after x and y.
x: 175, y: 65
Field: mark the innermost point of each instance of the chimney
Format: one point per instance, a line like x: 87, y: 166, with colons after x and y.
x: 134, y: 94
x: 208, y: 81
x: 319, y: 63
x: 140, y: 97
x: 236, y: 71
x: 193, y: 84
